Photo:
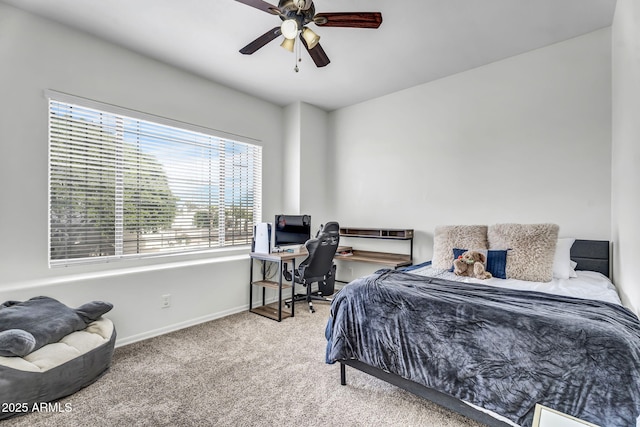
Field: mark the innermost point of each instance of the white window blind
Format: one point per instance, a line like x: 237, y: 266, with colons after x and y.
x: 122, y: 186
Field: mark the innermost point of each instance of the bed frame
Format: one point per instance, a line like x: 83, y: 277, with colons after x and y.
x: 591, y: 255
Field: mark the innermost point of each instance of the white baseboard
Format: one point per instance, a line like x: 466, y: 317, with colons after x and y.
x: 177, y: 326
x: 191, y: 322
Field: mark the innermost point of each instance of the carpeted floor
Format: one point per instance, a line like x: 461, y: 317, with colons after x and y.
x: 242, y: 370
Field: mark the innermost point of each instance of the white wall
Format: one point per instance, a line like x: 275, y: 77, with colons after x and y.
x: 291, y: 161
x: 305, y: 162
x: 36, y: 55
x: 313, y: 164
x: 526, y: 139
x: 626, y: 150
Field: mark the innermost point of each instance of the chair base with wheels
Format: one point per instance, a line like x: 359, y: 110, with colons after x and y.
x: 326, y: 287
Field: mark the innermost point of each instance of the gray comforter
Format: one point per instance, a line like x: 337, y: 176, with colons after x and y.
x: 503, y: 350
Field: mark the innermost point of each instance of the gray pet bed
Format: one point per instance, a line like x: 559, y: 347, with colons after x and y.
x: 55, y: 370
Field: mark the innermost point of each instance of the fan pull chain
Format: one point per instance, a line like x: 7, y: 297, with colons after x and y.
x: 297, y: 55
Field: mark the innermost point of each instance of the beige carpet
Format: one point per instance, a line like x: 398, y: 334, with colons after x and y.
x: 242, y: 370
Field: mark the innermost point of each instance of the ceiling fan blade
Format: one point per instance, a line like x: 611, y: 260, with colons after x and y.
x: 349, y: 19
x: 261, y: 41
x: 262, y: 5
x: 317, y: 54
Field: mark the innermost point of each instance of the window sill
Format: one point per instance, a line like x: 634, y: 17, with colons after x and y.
x: 121, y: 268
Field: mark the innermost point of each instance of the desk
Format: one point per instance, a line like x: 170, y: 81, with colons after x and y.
x: 387, y: 259
x: 268, y: 310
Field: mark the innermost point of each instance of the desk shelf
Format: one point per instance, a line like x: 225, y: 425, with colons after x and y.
x: 393, y: 260
x: 389, y: 259
x: 378, y: 233
x: 271, y: 311
x: 270, y: 284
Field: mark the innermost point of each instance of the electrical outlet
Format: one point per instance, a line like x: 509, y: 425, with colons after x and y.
x: 166, y: 301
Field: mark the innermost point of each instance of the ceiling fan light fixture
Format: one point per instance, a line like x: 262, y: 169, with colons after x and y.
x: 295, y: 15
x: 288, y: 44
x: 310, y: 37
x: 289, y: 28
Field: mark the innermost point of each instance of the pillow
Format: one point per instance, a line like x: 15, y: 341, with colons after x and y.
x: 16, y: 342
x: 573, y: 265
x: 447, y: 237
x: 496, y: 261
x: 45, y: 319
x: 531, y: 249
x: 562, y: 259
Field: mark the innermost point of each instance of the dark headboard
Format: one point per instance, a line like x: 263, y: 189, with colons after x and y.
x: 592, y: 255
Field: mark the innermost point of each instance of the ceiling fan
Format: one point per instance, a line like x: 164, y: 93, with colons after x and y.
x: 295, y: 15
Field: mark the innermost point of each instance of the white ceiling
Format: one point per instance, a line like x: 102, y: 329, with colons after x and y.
x: 418, y: 41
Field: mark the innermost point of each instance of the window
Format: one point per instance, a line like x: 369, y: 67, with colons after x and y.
x: 122, y: 186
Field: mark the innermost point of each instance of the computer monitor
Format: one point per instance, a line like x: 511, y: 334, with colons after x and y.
x: 291, y: 230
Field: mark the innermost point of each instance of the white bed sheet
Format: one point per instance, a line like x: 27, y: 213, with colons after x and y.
x: 588, y: 284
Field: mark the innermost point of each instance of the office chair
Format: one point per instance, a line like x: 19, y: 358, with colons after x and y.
x: 318, y: 267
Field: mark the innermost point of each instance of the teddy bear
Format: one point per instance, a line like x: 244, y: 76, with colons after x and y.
x: 471, y: 263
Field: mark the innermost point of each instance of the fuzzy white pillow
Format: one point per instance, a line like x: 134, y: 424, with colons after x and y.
x: 562, y: 259
x: 532, y: 248
x: 447, y: 237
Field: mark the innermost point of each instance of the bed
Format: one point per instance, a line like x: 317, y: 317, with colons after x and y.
x: 491, y: 352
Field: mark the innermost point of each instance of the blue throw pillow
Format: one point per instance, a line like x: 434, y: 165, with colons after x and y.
x: 496, y: 261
